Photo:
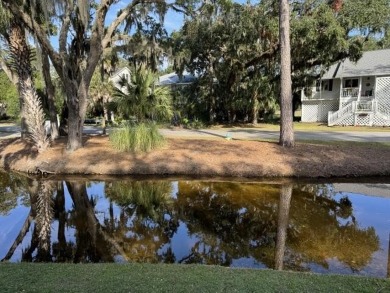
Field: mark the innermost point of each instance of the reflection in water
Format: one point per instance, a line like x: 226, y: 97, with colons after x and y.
x: 284, y: 210
x: 294, y: 227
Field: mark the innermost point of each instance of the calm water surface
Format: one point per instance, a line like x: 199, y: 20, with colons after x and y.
x: 324, y: 228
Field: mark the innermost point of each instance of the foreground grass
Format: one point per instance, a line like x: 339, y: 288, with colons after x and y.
x: 172, y: 278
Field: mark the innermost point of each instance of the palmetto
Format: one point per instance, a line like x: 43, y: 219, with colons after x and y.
x: 142, y: 99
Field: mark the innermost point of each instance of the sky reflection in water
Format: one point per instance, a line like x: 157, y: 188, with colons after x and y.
x: 325, y: 228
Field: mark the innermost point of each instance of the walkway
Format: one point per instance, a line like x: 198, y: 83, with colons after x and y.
x: 258, y: 134
x: 11, y: 130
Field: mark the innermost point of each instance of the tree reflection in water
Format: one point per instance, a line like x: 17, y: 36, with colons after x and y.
x: 241, y: 221
x: 280, y: 226
x: 148, y: 220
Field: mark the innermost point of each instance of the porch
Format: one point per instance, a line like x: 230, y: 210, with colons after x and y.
x: 363, y: 101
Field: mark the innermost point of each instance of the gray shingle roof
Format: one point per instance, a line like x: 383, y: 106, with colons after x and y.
x: 173, y: 78
x: 372, y: 63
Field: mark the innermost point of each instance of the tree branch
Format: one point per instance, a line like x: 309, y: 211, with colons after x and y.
x: 64, y: 29
x: 111, y: 29
x: 265, y: 55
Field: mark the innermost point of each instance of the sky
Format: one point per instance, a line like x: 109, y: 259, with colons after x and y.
x: 172, y: 22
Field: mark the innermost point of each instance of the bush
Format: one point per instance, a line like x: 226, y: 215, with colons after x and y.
x: 143, y: 137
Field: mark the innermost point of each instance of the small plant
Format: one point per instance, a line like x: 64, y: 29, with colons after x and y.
x: 197, y: 124
x: 143, y: 137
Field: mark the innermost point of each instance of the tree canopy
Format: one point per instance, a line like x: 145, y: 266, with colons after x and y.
x: 233, y: 48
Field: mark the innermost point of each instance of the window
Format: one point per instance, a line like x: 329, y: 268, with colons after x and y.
x: 327, y: 85
x: 351, y: 83
x: 324, y: 85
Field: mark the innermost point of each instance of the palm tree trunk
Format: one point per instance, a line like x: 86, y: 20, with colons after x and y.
x: 286, y: 119
x: 20, y: 53
x: 44, y: 218
x: 19, y: 238
x: 32, y: 115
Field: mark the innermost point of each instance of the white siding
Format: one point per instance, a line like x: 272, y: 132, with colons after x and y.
x: 317, y: 110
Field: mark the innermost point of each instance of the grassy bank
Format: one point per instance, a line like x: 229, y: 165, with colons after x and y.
x: 172, y: 278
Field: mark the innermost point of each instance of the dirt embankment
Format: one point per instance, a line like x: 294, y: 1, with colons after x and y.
x: 198, y: 157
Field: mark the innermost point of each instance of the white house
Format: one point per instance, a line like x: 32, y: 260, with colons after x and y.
x: 118, y: 75
x: 351, y: 93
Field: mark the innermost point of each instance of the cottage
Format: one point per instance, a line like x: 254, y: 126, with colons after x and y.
x: 120, y: 74
x: 351, y: 93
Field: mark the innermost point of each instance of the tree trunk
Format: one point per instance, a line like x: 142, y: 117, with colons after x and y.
x: 75, y: 127
x: 85, y: 222
x: 61, y: 215
x: 284, y: 208
x: 54, y: 133
x: 105, y: 116
x: 77, y: 95
x: 286, y: 119
x: 43, y: 220
x: 255, y: 109
x: 212, y: 93
x: 19, y: 238
x: 31, y: 112
x: 388, y: 260
x: 212, y: 108
x: 20, y: 53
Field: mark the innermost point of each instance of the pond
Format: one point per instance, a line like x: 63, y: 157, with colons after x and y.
x: 322, y: 227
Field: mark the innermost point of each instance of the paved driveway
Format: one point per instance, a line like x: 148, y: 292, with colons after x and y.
x: 11, y: 130
x: 250, y: 133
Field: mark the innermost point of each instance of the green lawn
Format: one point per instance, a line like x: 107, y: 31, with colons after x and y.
x: 172, y: 278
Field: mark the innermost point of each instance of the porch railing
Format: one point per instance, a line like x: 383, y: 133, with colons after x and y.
x: 364, y: 106
x: 350, y: 92
x: 333, y: 116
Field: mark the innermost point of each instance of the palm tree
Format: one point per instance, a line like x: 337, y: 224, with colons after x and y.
x: 20, y: 55
x: 142, y: 99
x: 81, y: 42
x: 286, y: 118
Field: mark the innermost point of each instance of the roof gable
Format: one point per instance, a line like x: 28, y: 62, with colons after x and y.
x: 119, y: 73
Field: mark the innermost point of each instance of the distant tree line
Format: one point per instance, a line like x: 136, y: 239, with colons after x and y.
x: 234, y: 49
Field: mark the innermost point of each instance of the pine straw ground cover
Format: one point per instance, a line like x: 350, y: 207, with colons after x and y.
x: 203, y: 157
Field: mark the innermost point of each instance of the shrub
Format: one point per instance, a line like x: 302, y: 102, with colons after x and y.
x: 143, y: 137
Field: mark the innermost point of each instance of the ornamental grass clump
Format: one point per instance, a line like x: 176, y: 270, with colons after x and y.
x: 143, y: 137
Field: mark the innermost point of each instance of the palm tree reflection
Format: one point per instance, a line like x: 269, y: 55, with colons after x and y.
x: 279, y: 226
x: 147, y: 220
